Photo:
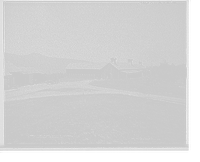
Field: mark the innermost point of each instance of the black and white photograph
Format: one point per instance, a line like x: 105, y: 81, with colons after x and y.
x: 95, y: 75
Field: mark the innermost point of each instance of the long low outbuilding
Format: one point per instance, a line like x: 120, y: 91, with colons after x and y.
x: 110, y: 70
x: 19, y: 76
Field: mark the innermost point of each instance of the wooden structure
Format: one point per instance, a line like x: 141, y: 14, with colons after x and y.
x: 107, y: 71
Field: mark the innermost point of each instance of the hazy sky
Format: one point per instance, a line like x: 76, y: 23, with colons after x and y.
x: 149, y: 32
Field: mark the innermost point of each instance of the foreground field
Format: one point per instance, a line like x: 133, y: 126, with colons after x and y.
x: 101, y: 120
x: 137, y: 84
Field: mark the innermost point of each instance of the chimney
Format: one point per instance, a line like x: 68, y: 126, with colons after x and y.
x: 130, y: 61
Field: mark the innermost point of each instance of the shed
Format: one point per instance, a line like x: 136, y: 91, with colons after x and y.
x: 24, y: 75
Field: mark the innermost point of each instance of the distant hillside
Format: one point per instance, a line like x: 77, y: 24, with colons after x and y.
x: 39, y: 62
x: 10, y: 67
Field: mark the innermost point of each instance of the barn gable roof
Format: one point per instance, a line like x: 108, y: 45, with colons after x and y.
x: 108, y: 65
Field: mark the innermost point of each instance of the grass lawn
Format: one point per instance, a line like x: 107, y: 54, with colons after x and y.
x: 136, y: 84
x: 103, y: 120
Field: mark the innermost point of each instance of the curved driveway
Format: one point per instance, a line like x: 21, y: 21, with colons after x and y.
x: 83, y: 88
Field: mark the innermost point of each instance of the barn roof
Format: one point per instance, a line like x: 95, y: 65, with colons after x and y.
x: 86, y: 65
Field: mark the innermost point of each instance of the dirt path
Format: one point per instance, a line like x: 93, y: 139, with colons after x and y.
x: 35, y: 91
